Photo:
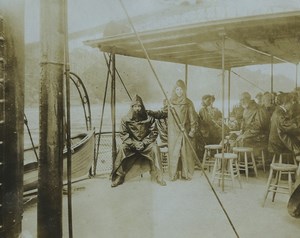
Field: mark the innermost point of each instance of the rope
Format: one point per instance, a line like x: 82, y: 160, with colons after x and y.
x: 253, y: 84
x: 175, y: 115
x: 102, y: 116
x: 30, y: 136
x: 118, y: 76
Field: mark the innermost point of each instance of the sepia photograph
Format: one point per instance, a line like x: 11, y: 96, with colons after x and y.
x: 149, y: 119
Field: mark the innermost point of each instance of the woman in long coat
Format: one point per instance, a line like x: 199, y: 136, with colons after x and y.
x: 181, y: 156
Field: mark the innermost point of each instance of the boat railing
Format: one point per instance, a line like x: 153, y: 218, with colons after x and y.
x: 104, y: 160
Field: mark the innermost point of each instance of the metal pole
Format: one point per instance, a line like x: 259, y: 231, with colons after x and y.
x: 272, y: 74
x: 113, y: 108
x: 11, y: 117
x: 229, y: 90
x: 51, y: 126
x: 223, y: 104
x: 68, y: 124
x: 186, y: 75
x: 297, y: 66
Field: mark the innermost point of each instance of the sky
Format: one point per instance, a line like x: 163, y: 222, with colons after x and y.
x: 84, y: 14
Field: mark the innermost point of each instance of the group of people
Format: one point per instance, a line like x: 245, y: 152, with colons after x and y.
x: 178, y: 123
x: 270, y: 121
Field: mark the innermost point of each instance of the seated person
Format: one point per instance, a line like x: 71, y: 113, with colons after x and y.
x: 254, y: 133
x: 138, y: 149
x: 284, y: 129
x: 211, y: 119
x: 236, y: 117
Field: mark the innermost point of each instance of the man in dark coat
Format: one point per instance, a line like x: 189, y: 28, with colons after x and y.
x: 284, y: 129
x: 138, y: 150
x: 211, y: 119
x: 254, y: 132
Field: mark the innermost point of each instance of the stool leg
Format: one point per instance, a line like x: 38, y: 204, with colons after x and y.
x: 290, y: 183
x: 254, y: 164
x: 231, y: 172
x: 214, y: 170
x: 277, y: 179
x: 273, y: 159
x: 298, y: 170
x: 204, y: 159
x: 263, y: 160
x: 246, y: 165
x: 238, y: 172
x: 268, y: 186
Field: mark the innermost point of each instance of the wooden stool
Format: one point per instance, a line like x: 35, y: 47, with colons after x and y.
x: 208, y: 158
x: 245, y: 165
x: 230, y: 169
x: 276, y: 187
x: 262, y: 159
x: 164, y: 157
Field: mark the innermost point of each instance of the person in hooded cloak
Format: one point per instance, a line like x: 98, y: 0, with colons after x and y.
x: 139, y: 151
x: 181, y: 156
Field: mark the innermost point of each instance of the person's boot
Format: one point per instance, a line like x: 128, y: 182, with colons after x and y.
x: 156, y: 177
x: 161, y: 181
x: 117, y: 181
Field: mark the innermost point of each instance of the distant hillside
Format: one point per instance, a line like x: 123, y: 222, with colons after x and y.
x: 90, y: 65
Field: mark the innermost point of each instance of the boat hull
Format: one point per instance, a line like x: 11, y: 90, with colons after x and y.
x: 82, y: 161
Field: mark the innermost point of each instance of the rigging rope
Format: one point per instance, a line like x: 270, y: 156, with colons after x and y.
x: 102, y: 116
x: 175, y: 115
x: 253, y: 84
x: 30, y: 136
x: 118, y: 76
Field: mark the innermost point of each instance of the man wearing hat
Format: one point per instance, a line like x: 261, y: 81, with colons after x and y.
x: 138, y: 151
x: 254, y: 131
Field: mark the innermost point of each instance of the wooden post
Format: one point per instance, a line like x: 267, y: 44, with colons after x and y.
x: 113, y: 108
x: 12, y: 117
x: 51, y: 120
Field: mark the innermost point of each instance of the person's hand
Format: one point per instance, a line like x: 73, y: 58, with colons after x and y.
x: 191, y: 134
x: 240, y: 138
x: 139, y: 146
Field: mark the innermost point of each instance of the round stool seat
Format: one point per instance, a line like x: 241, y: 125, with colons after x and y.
x: 213, y: 147
x: 284, y: 167
x: 242, y: 149
x: 226, y: 156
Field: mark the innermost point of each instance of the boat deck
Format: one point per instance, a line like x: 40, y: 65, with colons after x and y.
x: 141, y: 208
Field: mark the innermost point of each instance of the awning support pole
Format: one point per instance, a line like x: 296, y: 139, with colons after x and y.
x: 223, y: 104
x: 272, y: 74
x: 297, y: 66
x: 113, y: 108
x: 229, y: 90
x: 186, y: 75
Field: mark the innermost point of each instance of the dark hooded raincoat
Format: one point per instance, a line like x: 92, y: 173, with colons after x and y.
x: 181, y: 157
x: 255, y: 126
x: 283, y: 133
x: 133, y: 161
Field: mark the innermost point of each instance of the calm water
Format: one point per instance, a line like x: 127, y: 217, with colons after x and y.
x: 78, y: 120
